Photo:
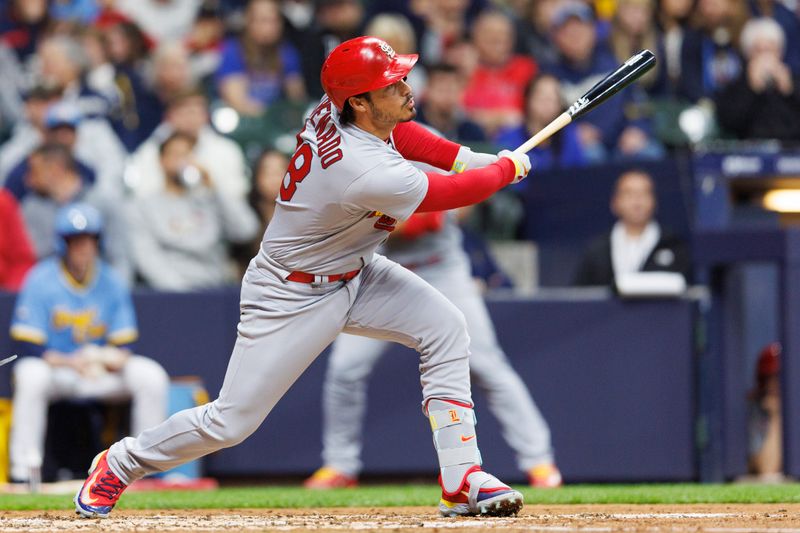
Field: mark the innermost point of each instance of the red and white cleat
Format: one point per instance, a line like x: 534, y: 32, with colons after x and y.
x: 481, y: 494
x: 545, y: 476
x: 100, y: 491
x: 329, y: 478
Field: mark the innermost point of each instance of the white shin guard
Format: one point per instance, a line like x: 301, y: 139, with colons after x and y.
x: 454, y: 437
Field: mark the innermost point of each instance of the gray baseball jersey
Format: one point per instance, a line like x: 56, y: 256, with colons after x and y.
x: 330, y: 226
x: 438, y: 258
x: 344, y: 191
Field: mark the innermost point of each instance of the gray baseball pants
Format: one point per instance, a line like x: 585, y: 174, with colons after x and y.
x: 283, y: 327
x: 353, y: 359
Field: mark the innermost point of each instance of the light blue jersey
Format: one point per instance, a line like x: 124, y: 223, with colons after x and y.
x: 55, y: 311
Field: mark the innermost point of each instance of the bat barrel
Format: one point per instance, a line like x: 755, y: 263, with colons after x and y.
x: 633, y: 69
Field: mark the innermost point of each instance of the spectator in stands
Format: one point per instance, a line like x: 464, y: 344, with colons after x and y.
x: 533, y: 31
x: 335, y: 21
x: 22, y: 24
x: 54, y: 181
x: 260, y: 67
x: 397, y: 31
x: 440, y: 105
x: 673, y: 20
x: 137, y: 110
x: 74, y: 12
x: 163, y: 20
x: 181, y: 233
x: 145, y: 87
x: 764, y: 102
x: 12, y: 85
x: 268, y: 174
x: 109, y: 15
x: 99, y: 154
x: 30, y: 131
x: 299, y: 14
x: 709, y: 56
x: 204, y: 43
x: 172, y: 71
x: 636, y: 243
x: 16, y: 252
x: 494, y: 96
x: 100, y: 71
x: 446, y: 27
x: 607, y: 131
x: 788, y: 21
x: 187, y: 113
x: 543, y: 104
x: 63, y: 64
x: 59, y: 128
x: 633, y: 28
x: 75, y: 323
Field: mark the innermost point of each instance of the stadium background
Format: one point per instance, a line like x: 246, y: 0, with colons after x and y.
x: 651, y: 390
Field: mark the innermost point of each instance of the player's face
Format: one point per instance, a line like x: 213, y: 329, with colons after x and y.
x: 392, y: 104
x: 81, y: 252
x: 634, y: 202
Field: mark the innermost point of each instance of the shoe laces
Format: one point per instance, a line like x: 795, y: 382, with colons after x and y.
x: 109, y: 486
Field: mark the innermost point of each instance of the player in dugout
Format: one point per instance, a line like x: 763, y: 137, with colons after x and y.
x: 348, y: 184
x: 75, y: 322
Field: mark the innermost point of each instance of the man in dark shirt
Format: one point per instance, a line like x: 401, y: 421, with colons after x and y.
x: 636, y: 243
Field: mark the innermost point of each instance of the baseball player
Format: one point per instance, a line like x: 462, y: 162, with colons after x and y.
x: 348, y: 184
x: 429, y: 244
x: 75, y: 321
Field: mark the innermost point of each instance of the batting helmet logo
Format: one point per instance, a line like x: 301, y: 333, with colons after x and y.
x: 361, y: 65
x: 388, y: 50
x: 77, y: 219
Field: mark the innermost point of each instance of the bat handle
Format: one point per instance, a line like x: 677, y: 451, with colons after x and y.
x: 545, y: 133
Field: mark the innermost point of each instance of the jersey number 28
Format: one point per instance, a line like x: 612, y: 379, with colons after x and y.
x: 299, y: 167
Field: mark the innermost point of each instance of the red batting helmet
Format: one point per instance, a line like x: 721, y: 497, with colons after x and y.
x: 360, y: 65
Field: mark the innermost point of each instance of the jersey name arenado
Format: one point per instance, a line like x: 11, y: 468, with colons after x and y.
x: 344, y: 192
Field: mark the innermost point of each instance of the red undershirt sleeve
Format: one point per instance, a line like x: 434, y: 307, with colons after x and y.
x: 417, y: 143
x: 471, y: 187
x: 421, y: 223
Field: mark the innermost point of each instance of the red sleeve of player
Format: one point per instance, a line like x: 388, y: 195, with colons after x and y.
x: 417, y: 143
x: 471, y: 187
x: 16, y: 252
x: 422, y: 223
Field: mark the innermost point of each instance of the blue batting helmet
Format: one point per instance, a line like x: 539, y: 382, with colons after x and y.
x: 77, y: 219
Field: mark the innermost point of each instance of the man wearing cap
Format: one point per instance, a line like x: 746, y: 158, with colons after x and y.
x: 75, y: 325
x: 585, y: 59
x: 98, y: 153
x: 55, y: 178
x: 29, y: 131
x: 348, y: 185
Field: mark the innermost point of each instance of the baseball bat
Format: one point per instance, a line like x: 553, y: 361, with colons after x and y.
x: 628, y: 72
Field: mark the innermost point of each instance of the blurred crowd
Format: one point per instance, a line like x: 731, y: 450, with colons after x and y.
x: 171, y: 117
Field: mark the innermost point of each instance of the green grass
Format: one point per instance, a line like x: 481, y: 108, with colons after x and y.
x: 414, y: 495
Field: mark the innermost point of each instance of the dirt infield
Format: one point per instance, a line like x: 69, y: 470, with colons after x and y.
x: 727, y: 518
